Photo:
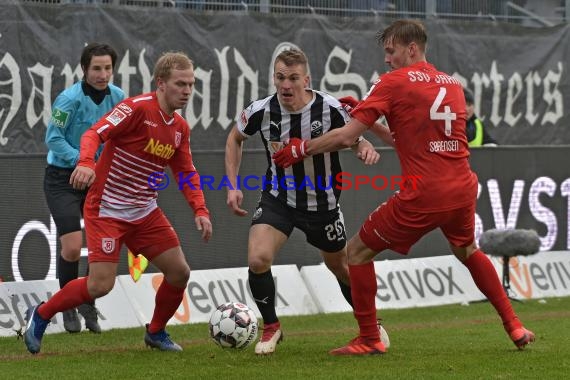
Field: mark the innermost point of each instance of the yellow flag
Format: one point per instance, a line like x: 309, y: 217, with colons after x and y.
x: 137, y: 265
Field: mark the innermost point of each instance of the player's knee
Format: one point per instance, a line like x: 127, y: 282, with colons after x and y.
x: 463, y: 253
x: 259, y: 264
x: 99, y: 289
x: 71, y: 254
x: 338, y: 267
x: 179, y: 276
x: 182, y: 276
x: 358, y: 253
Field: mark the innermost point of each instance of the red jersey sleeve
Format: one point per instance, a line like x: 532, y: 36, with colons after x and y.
x: 375, y: 103
x: 118, y: 120
x: 187, y: 176
x: 87, y: 147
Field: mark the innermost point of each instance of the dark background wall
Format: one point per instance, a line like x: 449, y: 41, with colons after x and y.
x: 519, y: 75
x: 520, y: 187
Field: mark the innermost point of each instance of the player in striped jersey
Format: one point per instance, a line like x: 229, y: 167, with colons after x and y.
x: 425, y: 109
x: 309, y: 201
x: 142, y: 136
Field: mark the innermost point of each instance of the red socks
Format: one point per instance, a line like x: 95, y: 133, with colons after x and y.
x: 364, y: 288
x: 73, y: 294
x: 167, y: 300
x: 486, y: 279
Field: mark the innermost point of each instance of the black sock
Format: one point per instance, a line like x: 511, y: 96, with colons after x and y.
x: 263, y: 291
x: 67, y: 271
x: 346, y: 292
x: 92, y: 303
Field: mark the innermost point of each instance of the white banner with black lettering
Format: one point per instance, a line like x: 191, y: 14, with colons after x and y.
x: 401, y: 284
x: 16, y: 297
x: 207, y: 289
x: 444, y: 280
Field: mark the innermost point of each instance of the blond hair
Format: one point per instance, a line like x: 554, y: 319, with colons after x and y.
x: 404, y: 32
x: 171, y: 61
x: 292, y: 57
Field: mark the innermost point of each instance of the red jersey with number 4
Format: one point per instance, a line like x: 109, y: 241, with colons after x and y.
x: 140, y: 141
x: 425, y: 110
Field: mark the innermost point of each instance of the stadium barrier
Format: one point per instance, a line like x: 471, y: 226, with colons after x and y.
x: 533, y: 12
x: 401, y: 284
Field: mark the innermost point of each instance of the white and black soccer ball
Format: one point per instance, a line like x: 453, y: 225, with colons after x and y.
x: 233, y: 325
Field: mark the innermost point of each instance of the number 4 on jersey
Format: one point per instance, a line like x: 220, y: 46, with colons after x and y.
x: 446, y: 115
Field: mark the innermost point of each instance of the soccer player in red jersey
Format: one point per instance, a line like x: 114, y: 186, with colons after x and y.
x: 425, y: 110
x: 142, y: 136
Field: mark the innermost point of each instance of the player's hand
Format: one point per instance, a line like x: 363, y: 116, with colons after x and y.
x: 234, y: 199
x: 349, y: 103
x: 366, y: 153
x: 82, y: 177
x: 291, y: 153
x: 203, y: 224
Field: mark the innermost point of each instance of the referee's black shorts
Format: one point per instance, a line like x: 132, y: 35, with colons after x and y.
x: 64, y: 202
x: 323, y: 229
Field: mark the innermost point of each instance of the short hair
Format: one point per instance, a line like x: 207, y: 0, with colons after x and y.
x: 404, y: 32
x: 96, y: 49
x: 292, y: 57
x: 171, y: 61
x: 468, y: 96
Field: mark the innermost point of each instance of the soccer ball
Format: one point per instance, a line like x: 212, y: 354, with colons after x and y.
x: 233, y: 325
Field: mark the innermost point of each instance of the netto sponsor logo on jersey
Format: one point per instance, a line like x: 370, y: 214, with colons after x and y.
x: 158, y: 149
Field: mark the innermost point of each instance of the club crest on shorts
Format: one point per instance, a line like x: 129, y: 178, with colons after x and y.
x: 257, y: 213
x: 108, y: 245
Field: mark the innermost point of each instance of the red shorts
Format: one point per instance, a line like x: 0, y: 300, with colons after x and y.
x: 149, y: 236
x: 392, y: 227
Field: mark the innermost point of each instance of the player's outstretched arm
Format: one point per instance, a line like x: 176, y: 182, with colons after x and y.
x: 349, y: 103
x: 204, y: 225
x: 296, y: 150
x: 383, y: 132
x: 365, y: 152
x: 82, y: 177
x: 233, y: 156
x: 234, y: 201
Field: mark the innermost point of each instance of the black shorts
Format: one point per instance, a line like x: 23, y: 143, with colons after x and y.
x: 324, y: 230
x: 64, y: 202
